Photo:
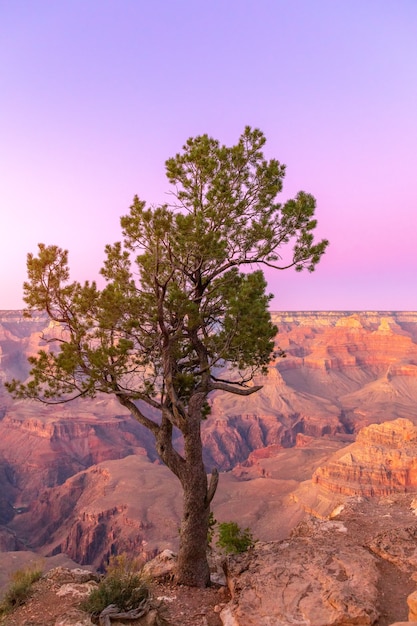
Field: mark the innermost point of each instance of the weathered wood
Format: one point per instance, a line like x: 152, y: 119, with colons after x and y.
x: 112, y: 612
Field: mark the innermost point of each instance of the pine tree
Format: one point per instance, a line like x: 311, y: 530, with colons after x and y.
x: 184, y: 311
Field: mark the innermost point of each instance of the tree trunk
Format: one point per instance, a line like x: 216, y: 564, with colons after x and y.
x: 192, y: 567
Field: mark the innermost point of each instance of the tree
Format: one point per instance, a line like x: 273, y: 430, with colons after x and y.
x: 184, y: 311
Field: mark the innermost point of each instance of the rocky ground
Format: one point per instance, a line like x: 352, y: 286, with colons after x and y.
x: 180, y: 606
x: 356, y: 569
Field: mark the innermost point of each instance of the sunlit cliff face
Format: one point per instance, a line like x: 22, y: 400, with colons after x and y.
x: 382, y: 461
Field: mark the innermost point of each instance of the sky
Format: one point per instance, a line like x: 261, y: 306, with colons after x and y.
x: 97, y: 94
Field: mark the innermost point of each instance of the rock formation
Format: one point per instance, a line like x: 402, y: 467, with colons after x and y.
x: 358, y: 568
x: 343, y: 371
x: 318, y: 580
x: 41, y: 449
x: 383, y: 460
x: 128, y: 505
x: 329, y: 572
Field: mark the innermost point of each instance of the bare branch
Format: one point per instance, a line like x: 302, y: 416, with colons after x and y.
x: 239, y: 391
x: 138, y: 415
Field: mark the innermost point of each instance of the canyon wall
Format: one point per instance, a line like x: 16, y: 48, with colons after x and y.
x: 125, y: 505
x: 342, y: 372
x: 382, y: 461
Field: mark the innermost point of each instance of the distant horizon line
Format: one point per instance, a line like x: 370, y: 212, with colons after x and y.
x: 282, y: 311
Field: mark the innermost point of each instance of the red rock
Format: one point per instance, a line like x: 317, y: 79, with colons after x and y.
x: 383, y: 460
x: 343, y: 371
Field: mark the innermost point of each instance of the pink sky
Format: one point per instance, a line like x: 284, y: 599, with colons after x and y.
x: 96, y: 94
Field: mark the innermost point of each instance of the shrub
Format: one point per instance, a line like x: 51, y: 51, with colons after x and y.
x: 123, y: 585
x: 19, y: 589
x: 233, y: 539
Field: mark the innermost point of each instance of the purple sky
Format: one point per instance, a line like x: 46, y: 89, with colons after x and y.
x: 96, y: 94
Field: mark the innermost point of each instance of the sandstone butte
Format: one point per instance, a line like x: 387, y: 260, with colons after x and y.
x: 383, y: 460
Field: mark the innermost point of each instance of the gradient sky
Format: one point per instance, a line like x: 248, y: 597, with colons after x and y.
x: 97, y: 94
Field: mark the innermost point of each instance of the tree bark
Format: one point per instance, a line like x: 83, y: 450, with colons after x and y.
x: 192, y: 566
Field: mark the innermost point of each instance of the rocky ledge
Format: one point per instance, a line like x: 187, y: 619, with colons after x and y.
x: 358, y: 569
x: 354, y: 561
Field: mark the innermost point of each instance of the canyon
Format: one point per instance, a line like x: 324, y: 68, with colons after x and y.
x: 355, y: 566
x: 335, y: 419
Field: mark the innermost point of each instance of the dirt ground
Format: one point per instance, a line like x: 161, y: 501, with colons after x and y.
x: 182, y: 606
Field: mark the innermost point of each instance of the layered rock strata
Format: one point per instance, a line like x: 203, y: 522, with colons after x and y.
x: 129, y: 505
x: 343, y: 371
x: 383, y: 460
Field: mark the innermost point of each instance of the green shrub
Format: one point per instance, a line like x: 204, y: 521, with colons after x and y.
x: 233, y: 539
x: 19, y: 589
x: 123, y: 585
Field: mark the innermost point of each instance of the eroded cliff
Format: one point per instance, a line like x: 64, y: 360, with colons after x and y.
x: 343, y: 371
x: 383, y: 460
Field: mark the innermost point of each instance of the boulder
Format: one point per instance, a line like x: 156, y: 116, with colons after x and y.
x: 162, y: 566
x: 65, y: 575
x: 317, y: 577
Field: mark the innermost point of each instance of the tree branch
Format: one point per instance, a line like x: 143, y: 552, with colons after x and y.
x: 138, y: 415
x: 239, y: 391
x: 214, y: 479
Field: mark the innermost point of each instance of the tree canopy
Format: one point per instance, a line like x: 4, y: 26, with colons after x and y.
x: 184, y: 311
